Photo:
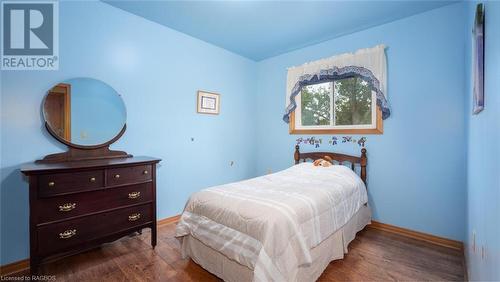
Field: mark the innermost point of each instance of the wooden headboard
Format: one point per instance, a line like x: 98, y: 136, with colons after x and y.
x: 340, y: 158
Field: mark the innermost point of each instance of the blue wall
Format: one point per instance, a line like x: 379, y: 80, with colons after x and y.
x: 483, y: 133
x: 416, y: 169
x: 157, y: 71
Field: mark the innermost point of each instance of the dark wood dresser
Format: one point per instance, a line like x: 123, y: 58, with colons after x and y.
x: 75, y: 206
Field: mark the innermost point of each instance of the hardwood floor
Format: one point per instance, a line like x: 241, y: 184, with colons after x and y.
x: 373, y: 256
x: 382, y: 256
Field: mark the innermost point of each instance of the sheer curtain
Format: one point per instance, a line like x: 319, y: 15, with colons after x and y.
x: 368, y: 63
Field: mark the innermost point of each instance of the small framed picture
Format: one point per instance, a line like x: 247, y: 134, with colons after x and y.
x: 208, y: 103
x: 478, y: 63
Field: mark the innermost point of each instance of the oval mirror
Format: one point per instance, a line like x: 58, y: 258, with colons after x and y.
x: 84, y: 112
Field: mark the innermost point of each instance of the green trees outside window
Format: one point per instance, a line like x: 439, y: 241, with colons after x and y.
x: 315, y: 102
x: 351, y: 103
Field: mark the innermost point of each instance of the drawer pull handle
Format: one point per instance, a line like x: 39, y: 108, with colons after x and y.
x: 52, y: 184
x: 92, y: 179
x: 67, y: 207
x: 134, y: 195
x: 67, y: 234
x: 117, y: 176
x: 145, y: 172
x: 134, y: 217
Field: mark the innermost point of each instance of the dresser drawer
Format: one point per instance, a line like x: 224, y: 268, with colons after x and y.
x: 60, y: 236
x: 62, y: 207
x: 127, y: 175
x: 61, y: 183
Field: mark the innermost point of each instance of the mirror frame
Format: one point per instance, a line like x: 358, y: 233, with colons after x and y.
x: 82, y: 152
x: 85, y: 147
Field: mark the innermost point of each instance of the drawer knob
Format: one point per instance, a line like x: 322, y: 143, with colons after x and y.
x: 92, y: 179
x: 134, y: 195
x: 67, y: 234
x: 134, y: 217
x: 52, y: 184
x: 67, y: 207
x: 117, y: 176
x: 145, y: 172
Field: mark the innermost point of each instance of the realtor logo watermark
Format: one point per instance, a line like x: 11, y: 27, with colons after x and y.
x: 30, y: 35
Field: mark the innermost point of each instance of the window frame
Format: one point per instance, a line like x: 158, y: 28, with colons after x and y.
x: 376, y: 128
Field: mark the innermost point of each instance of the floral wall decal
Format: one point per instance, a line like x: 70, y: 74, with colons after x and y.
x: 362, y: 141
x: 310, y: 141
x: 346, y: 139
x: 317, y: 142
x: 333, y: 141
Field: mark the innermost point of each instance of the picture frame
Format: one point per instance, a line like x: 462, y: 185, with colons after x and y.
x: 478, y: 61
x: 208, y: 102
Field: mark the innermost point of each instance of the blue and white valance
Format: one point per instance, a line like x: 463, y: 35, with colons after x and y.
x: 370, y: 64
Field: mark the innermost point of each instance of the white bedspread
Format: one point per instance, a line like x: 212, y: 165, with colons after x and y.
x: 270, y: 223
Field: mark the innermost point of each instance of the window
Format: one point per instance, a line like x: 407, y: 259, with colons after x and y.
x: 345, y: 106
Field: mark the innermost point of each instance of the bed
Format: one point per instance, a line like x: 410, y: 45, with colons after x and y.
x: 285, y: 226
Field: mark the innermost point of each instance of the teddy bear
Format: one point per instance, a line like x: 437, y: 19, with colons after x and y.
x: 326, y: 162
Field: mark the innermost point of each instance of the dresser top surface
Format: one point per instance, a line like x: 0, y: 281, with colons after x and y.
x: 33, y: 168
